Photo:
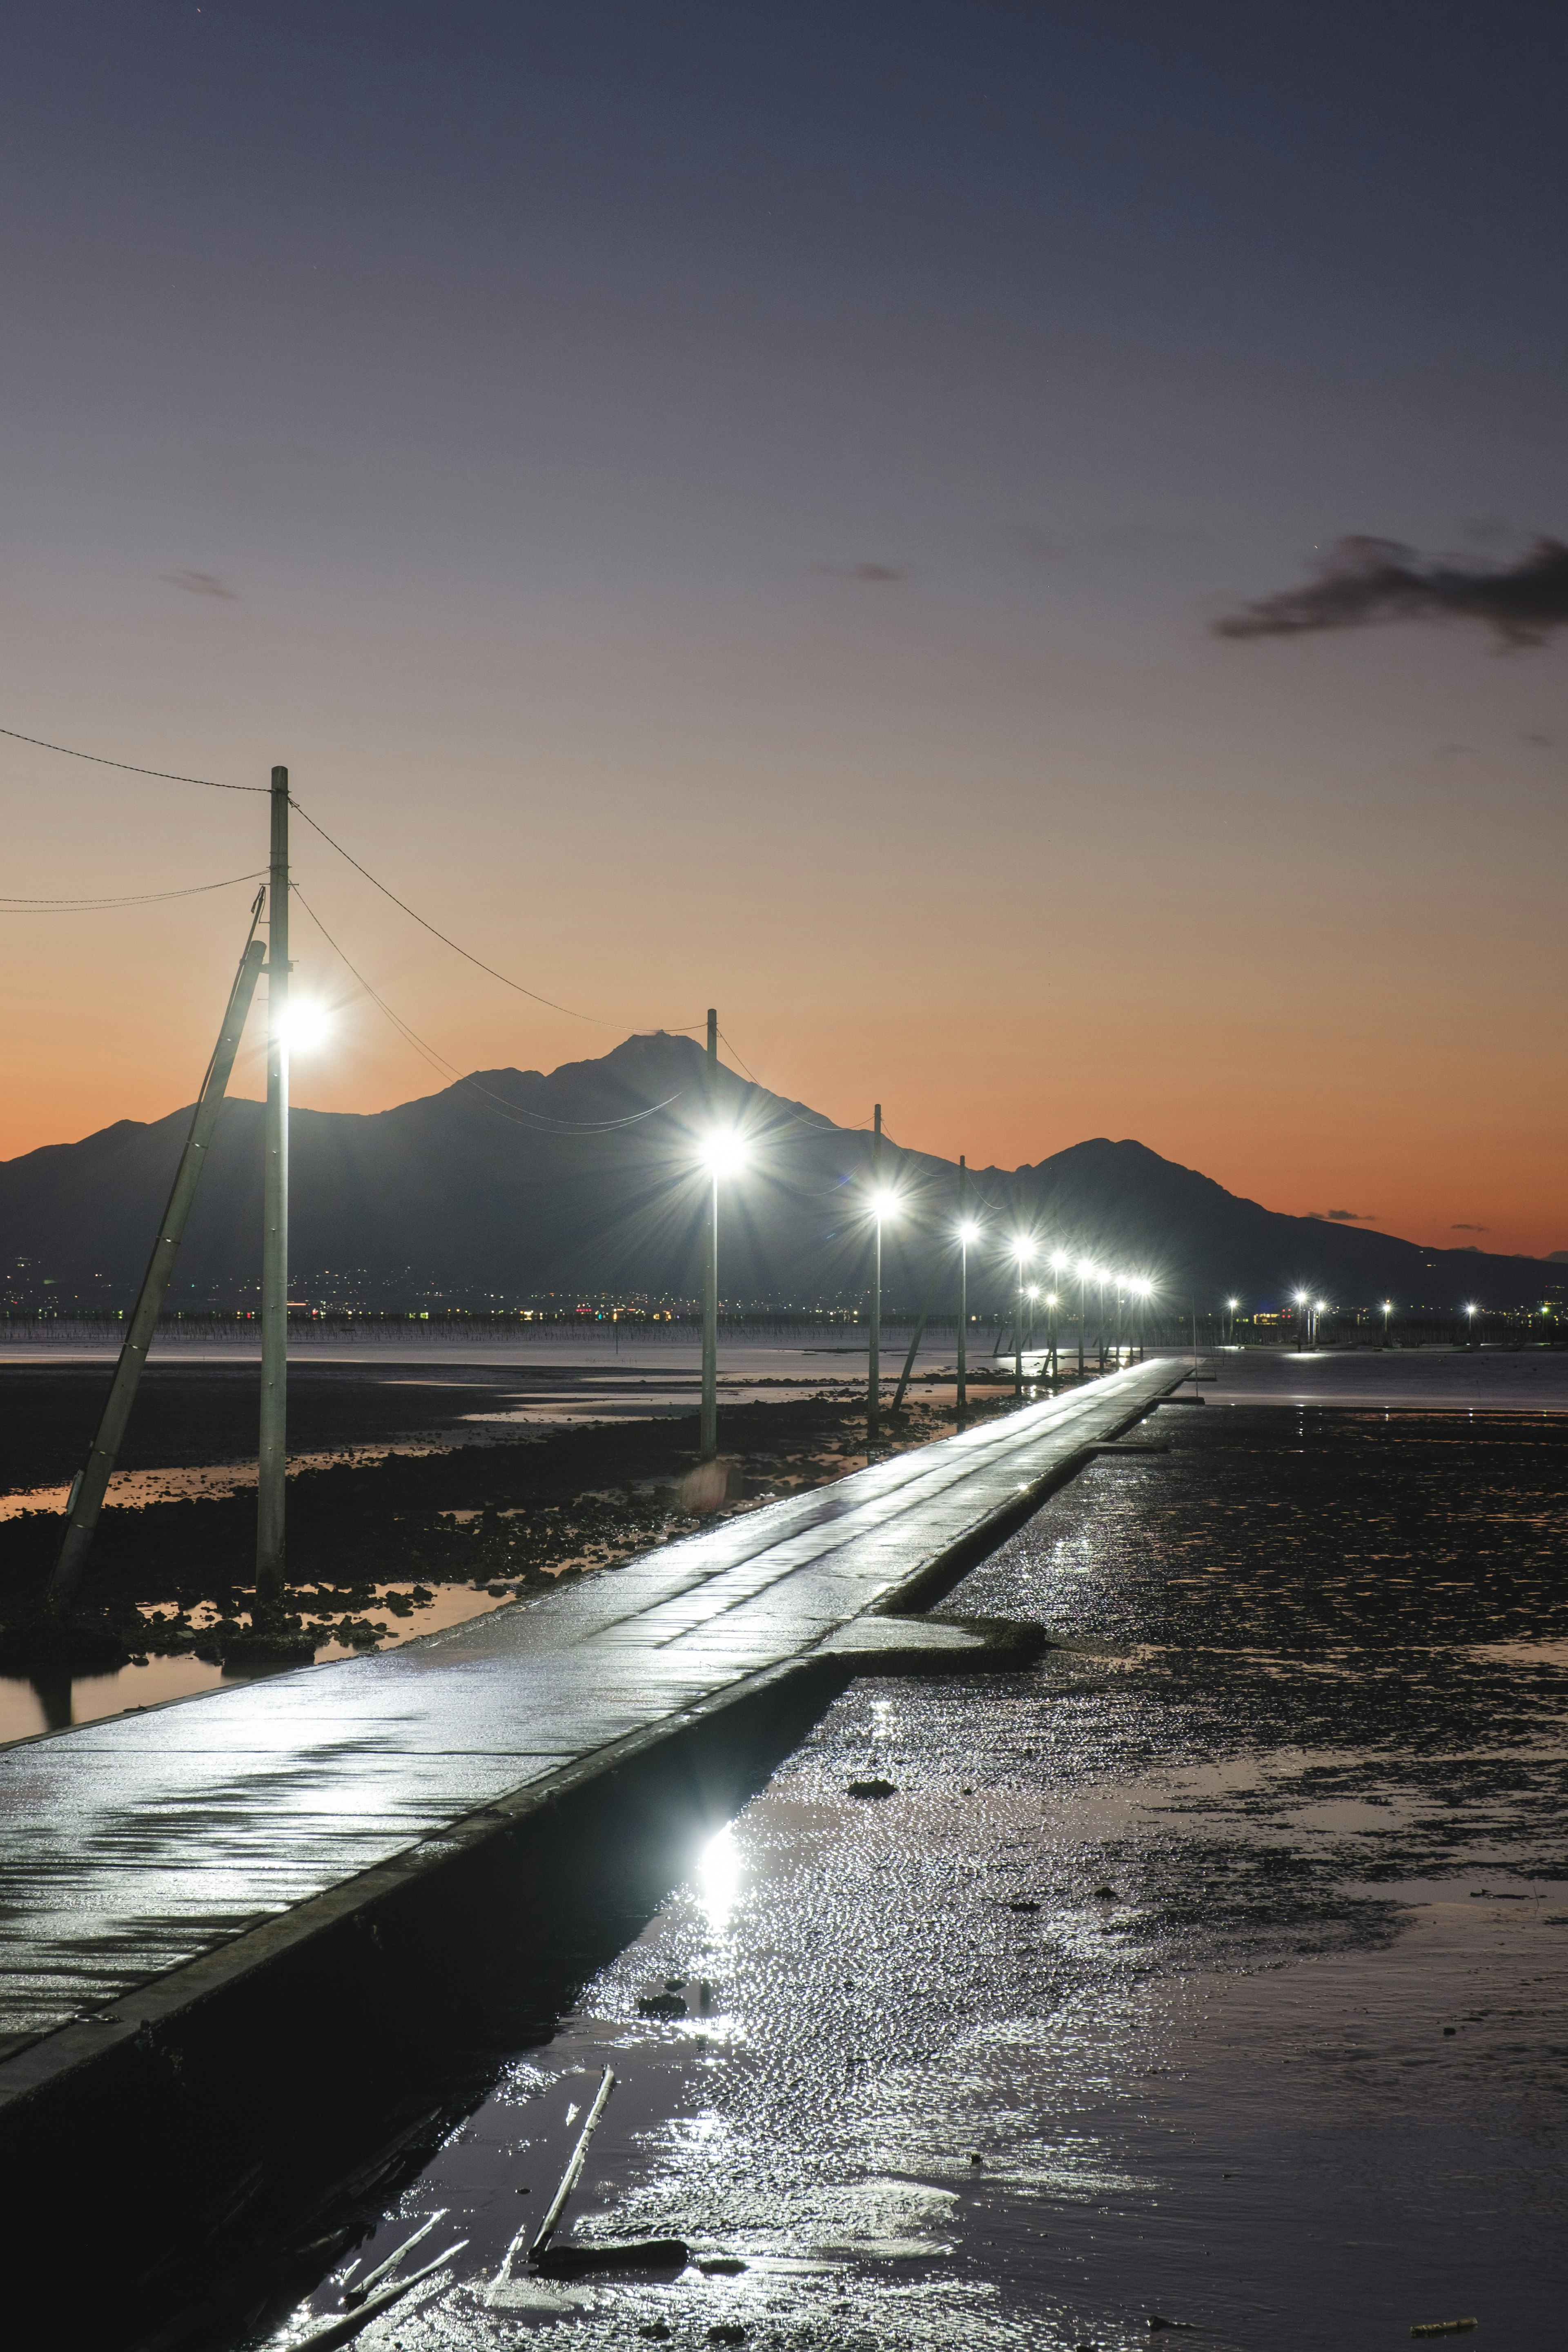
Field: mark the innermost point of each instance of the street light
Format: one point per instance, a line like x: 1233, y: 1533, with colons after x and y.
x: 719, y: 1154
x: 1387, y: 1311
x: 1303, y: 1301
x: 1142, y: 1290
x: 1470, y: 1326
x: 967, y: 1231
x: 305, y: 1024
x: 1085, y: 1276
x: 882, y: 1202
x: 1023, y: 1250
x: 1230, y: 1306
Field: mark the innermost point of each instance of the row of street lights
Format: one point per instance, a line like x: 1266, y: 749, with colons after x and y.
x: 723, y: 1153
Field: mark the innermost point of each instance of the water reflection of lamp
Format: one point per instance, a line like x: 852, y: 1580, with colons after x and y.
x: 718, y: 1877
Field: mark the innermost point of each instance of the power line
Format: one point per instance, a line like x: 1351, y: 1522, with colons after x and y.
x: 680, y: 1028
x: 514, y: 1112
x: 9, y: 905
x: 208, y: 783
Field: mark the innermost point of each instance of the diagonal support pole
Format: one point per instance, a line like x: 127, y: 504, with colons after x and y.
x: 91, y: 1480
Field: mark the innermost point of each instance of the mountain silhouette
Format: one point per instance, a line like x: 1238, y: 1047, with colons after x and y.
x: 512, y: 1186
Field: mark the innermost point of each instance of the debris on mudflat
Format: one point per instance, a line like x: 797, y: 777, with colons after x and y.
x: 356, y: 2295
x: 1446, y: 2327
x: 340, y: 2331
x: 729, y: 2331
x: 720, y: 2265
x: 1156, y: 2319
x: 639, y: 2254
x: 874, y: 1788
x: 662, y: 2004
x: 1022, y: 1903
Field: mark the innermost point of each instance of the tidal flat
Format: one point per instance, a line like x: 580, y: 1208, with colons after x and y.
x: 1211, y: 1972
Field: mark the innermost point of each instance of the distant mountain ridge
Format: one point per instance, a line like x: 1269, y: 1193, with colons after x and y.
x: 513, y: 1185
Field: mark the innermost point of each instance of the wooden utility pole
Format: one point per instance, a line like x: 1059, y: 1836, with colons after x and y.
x: 708, y: 1443
x: 91, y: 1480
x: 962, y: 1284
x: 874, y: 1370
x: 273, y: 1462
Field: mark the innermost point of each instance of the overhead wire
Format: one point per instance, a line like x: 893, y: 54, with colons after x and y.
x: 680, y: 1028
x: 514, y: 1112
x: 9, y: 905
x: 208, y: 783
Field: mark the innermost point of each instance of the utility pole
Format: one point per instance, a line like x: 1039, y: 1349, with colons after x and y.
x: 273, y: 1461
x: 874, y: 1368
x: 91, y: 1480
x: 963, y: 1285
x: 708, y: 1446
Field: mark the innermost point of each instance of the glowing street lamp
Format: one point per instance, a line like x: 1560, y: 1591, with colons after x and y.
x: 967, y: 1231
x: 305, y: 1024
x: 1387, y: 1311
x: 1303, y: 1301
x: 1230, y: 1306
x: 883, y: 1203
x: 1470, y: 1326
x: 1085, y: 1276
x: 721, y: 1154
x: 1023, y: 1250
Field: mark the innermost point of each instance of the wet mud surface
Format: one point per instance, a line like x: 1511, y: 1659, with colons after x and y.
x: 1212, y: 1970
x: 382, y: 1545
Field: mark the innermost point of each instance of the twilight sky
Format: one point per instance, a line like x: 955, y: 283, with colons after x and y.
x: 730, y: 504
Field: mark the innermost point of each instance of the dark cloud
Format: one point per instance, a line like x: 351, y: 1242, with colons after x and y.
x: 201, y: 583
x: 1344, y: 1216
x: 869, y: 574
x: 1367, y: 579
x: 1469, y: 1229
x: 1542, y: 741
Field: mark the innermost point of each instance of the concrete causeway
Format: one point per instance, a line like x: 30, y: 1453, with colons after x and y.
x: 150, y: 1860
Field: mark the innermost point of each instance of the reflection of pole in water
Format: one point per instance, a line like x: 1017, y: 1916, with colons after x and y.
x: 52, y: 1690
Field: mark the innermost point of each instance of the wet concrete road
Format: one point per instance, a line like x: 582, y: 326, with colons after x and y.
x: 1232, y: 1941
x: 148, y: 1857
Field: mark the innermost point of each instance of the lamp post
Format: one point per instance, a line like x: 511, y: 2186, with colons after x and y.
x: 1470, y: 1326
x: 967, y: 1232
x: 1230, y: 1306
x: 1304, y: 1306
x: 1085, y: 1276
x: 720, y: 1155
x: 1052, y: 1302
x: 882, y: 1205
x: 1387, y: 1311
x: 272, y: 1449
x: 1023, y: 1251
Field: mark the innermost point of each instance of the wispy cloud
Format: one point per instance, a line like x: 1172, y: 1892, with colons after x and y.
x: 1344, y: 1216
x: 868, y: 574
x: 1367, y: 579
x: 1469, y: 1229
x: 201, y: 583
